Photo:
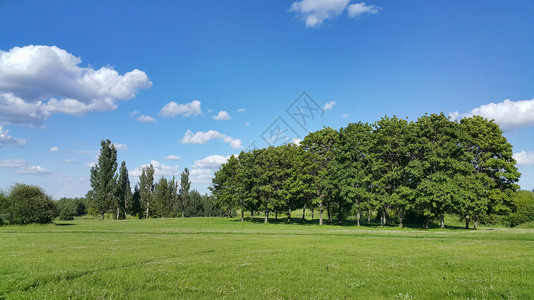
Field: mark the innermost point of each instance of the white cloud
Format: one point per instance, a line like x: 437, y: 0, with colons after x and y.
x: 172, y: 109
x: 20, y: 166
x: 6, y: 139
x: 54, y: 149
x: 315, y: 12
x: 204, y: 137
x: 241, y: 110
x: 159, y: 170
x: 358, y: 9
x: 329, y: 105
x: 344, y: 116
x: 172, y: 157
x: 69, y: 161
x: 120, y: 146
x: 201, y: 175
x: 508, y: 114
x: 211, y: 162
x: 134, y: 113
x: 146, y: 119
x: 524, y: 158
x: 222, y: 115
x: 296, y: 141
x: 37, y: 81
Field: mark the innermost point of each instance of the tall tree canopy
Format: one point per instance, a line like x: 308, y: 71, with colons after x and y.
x: 103, y: 177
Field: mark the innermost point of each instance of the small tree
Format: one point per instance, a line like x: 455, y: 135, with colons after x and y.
x: 123, y: 193
x: 29, y: 204
x: 146, y: 188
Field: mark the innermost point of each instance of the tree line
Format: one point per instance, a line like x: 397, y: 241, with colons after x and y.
x: 111, y: 192
x: 392, y: 170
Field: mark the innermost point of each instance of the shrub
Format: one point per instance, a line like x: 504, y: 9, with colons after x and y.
x: 524, y: 211
x: 29, y: 204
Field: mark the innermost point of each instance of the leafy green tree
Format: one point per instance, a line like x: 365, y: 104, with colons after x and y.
x: 388, y: 159
x: 135, y: 208
x: 103, y: 177
x: 320, y: 146
x: 493, y: 175
x: 29, y: 204
x: 146, y: 188
x: 123, y: 192
x: 183, y: 192
x: 350, y: 167
x: 162, y: 198
x: 228, y: 185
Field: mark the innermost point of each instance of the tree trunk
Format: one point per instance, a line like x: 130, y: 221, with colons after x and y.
x: 466, y: 222
x: 312, y: 209
x: 321, y: 213
x: 101, y: 216
x: 276, y: 215
x: 442, y: 221
x: 475, y: 222
x: 358, y: 216
x: 400, y: 221
x: 118, y: 212
x: 266, y: 216
x: 329, y: 212
x: 289, y: 215
x: 147, y: 205
x: 369, y: 216
x: 242, y: 215
x: 304, y: 213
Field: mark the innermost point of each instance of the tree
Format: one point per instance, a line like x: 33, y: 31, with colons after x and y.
x: 123, y: 192
x: 321, y: 146
x: 493, y: 174
x: 185, y: 184
x: 135, y: 208
x: 146, y: 188
x: 162, y: 198
x: 103, y: 177
x: 29, y: 204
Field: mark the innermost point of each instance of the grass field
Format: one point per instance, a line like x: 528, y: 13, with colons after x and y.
x: 224, y: 258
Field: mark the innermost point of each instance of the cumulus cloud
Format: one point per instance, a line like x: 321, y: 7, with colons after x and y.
x: 241, y: 110
x: 524, y: 158
x: 6, y: 139
x: 172, y: 109
x: 54, y: 149
x: 159, y: 169
x: 211, y: 162
x: 20, y: 166
x: 508, y: 114
x: 201, y: 175
x: 172, y: 157
x: 37, y: 81
x: 222, y: 115
x: 120, y: 146
x: 315, y: 12
x: 146, y: 119
x: 329, y: 105
x: 358, y: 9
x: 204, y: 137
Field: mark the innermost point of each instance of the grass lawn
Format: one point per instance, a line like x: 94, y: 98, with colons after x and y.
x: 224, y: 258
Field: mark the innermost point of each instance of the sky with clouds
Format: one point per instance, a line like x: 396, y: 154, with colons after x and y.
x: 181, y: 84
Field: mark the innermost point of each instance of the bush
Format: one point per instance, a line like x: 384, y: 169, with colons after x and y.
x: 524, y: 211
x: 29, y: 204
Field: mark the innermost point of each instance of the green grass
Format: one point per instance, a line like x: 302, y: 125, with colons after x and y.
x: 224, y: 258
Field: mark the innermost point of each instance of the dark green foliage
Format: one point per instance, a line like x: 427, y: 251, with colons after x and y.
x: 29, y: 204
x: 134, y: 207
x: 4, y: 205
x: 71, y: 207
x: 146, y: 188
x: 391, y: 170
x: 123, y: 192
x: 183, y: 192
x: 104, y: 179
x: 524, y: 210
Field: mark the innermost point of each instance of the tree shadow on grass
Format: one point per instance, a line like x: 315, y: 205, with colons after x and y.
x: 65, y: 224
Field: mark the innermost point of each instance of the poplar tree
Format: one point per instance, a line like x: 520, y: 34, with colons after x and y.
x: 146, y: 188
x: 123, y: 192
x: 183, y: 193
x: 103, y: 177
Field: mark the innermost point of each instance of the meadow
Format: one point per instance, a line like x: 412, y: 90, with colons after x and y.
x: 224, y: 258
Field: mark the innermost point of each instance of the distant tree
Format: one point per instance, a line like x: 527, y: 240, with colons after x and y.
x: 4, y: 206
x: 123, y: 192
x: 29, y: 204
x: 69, y: 208
x: 162, y: 198
x: 183, y: 193
x: 135, y: 208
x: 103, y: 178
x: 146, y: 188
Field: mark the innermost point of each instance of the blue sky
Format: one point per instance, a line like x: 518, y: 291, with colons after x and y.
x: 201, y: 80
